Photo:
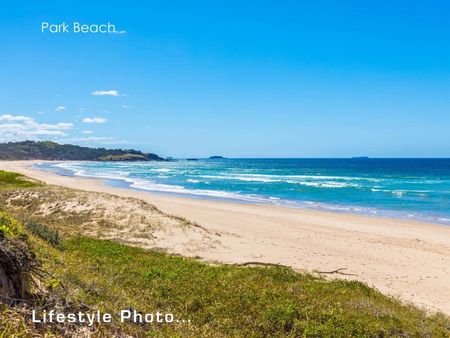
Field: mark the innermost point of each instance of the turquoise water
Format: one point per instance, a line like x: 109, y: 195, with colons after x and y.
x: 405, y: 188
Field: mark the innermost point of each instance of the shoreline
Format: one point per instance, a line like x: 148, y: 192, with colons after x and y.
x: 405, y: 258
x: 252, y: 199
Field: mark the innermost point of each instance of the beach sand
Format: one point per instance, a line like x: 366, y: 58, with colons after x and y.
x: 402, y: 258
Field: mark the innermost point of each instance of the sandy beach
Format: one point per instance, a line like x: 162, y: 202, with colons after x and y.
x: 406, y: 259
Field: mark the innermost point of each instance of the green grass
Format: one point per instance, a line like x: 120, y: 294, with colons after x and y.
x: 14, y: 180
x: 13, y: 324
x: 222, y: 300
x: 229, y: 300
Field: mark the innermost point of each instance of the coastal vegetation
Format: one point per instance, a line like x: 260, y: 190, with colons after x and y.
x: 72, y: 267
x: 14, y: 180
x: 124, y: 157
x: 47, y: 150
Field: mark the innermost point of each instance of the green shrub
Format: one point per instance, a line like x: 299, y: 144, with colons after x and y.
x: 8, y: 226
x: 48, y: 234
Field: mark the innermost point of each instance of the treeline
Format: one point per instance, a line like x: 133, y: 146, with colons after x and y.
x: 47, y: 150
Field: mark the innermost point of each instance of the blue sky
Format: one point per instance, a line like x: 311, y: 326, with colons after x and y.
x: 237, y: 78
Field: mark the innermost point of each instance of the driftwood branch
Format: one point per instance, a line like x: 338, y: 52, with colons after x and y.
x: 263, y: 264
x: 338, y: 272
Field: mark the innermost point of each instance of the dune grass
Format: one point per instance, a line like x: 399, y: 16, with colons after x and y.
x: 14, y: 180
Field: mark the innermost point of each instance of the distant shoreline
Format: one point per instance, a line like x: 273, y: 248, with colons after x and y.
x: 408, y: 259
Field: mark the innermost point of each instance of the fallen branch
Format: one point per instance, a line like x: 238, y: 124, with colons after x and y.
x: 338, y: 272
x: 263, y: 264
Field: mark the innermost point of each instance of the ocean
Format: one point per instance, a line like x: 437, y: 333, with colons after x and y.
x: 401, y: 188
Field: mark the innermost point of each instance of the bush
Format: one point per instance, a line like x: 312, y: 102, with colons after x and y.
x: 8, y: 226
x: 48, y: 234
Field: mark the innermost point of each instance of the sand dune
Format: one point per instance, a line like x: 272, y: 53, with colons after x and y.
x: 402, y: 258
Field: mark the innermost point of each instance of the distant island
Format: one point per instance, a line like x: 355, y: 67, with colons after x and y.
x: 216, y: 157
x: 48, y: 150
x: 360, y: 157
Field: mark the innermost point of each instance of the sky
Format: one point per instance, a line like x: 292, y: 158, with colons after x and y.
x: 235, y: 78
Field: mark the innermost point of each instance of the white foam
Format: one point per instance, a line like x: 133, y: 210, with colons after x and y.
x: 291, y: 179
x: 326, y: 184
x: 161, y: 170
x: 398, y: 192
x: 190, y: 180
x: 313, y: 177
x: 242, y: 178
x: 151, y: 186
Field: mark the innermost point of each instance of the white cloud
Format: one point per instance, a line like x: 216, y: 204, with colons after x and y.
x: 111, y: 92
x: 60, y: 108
x: 26, y: 128
x: 94, y: 120
x: 126, y: 107
x: 9, y: 117
x: 91, y: 139
x: 94, y: 139
x: 87, y: 132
